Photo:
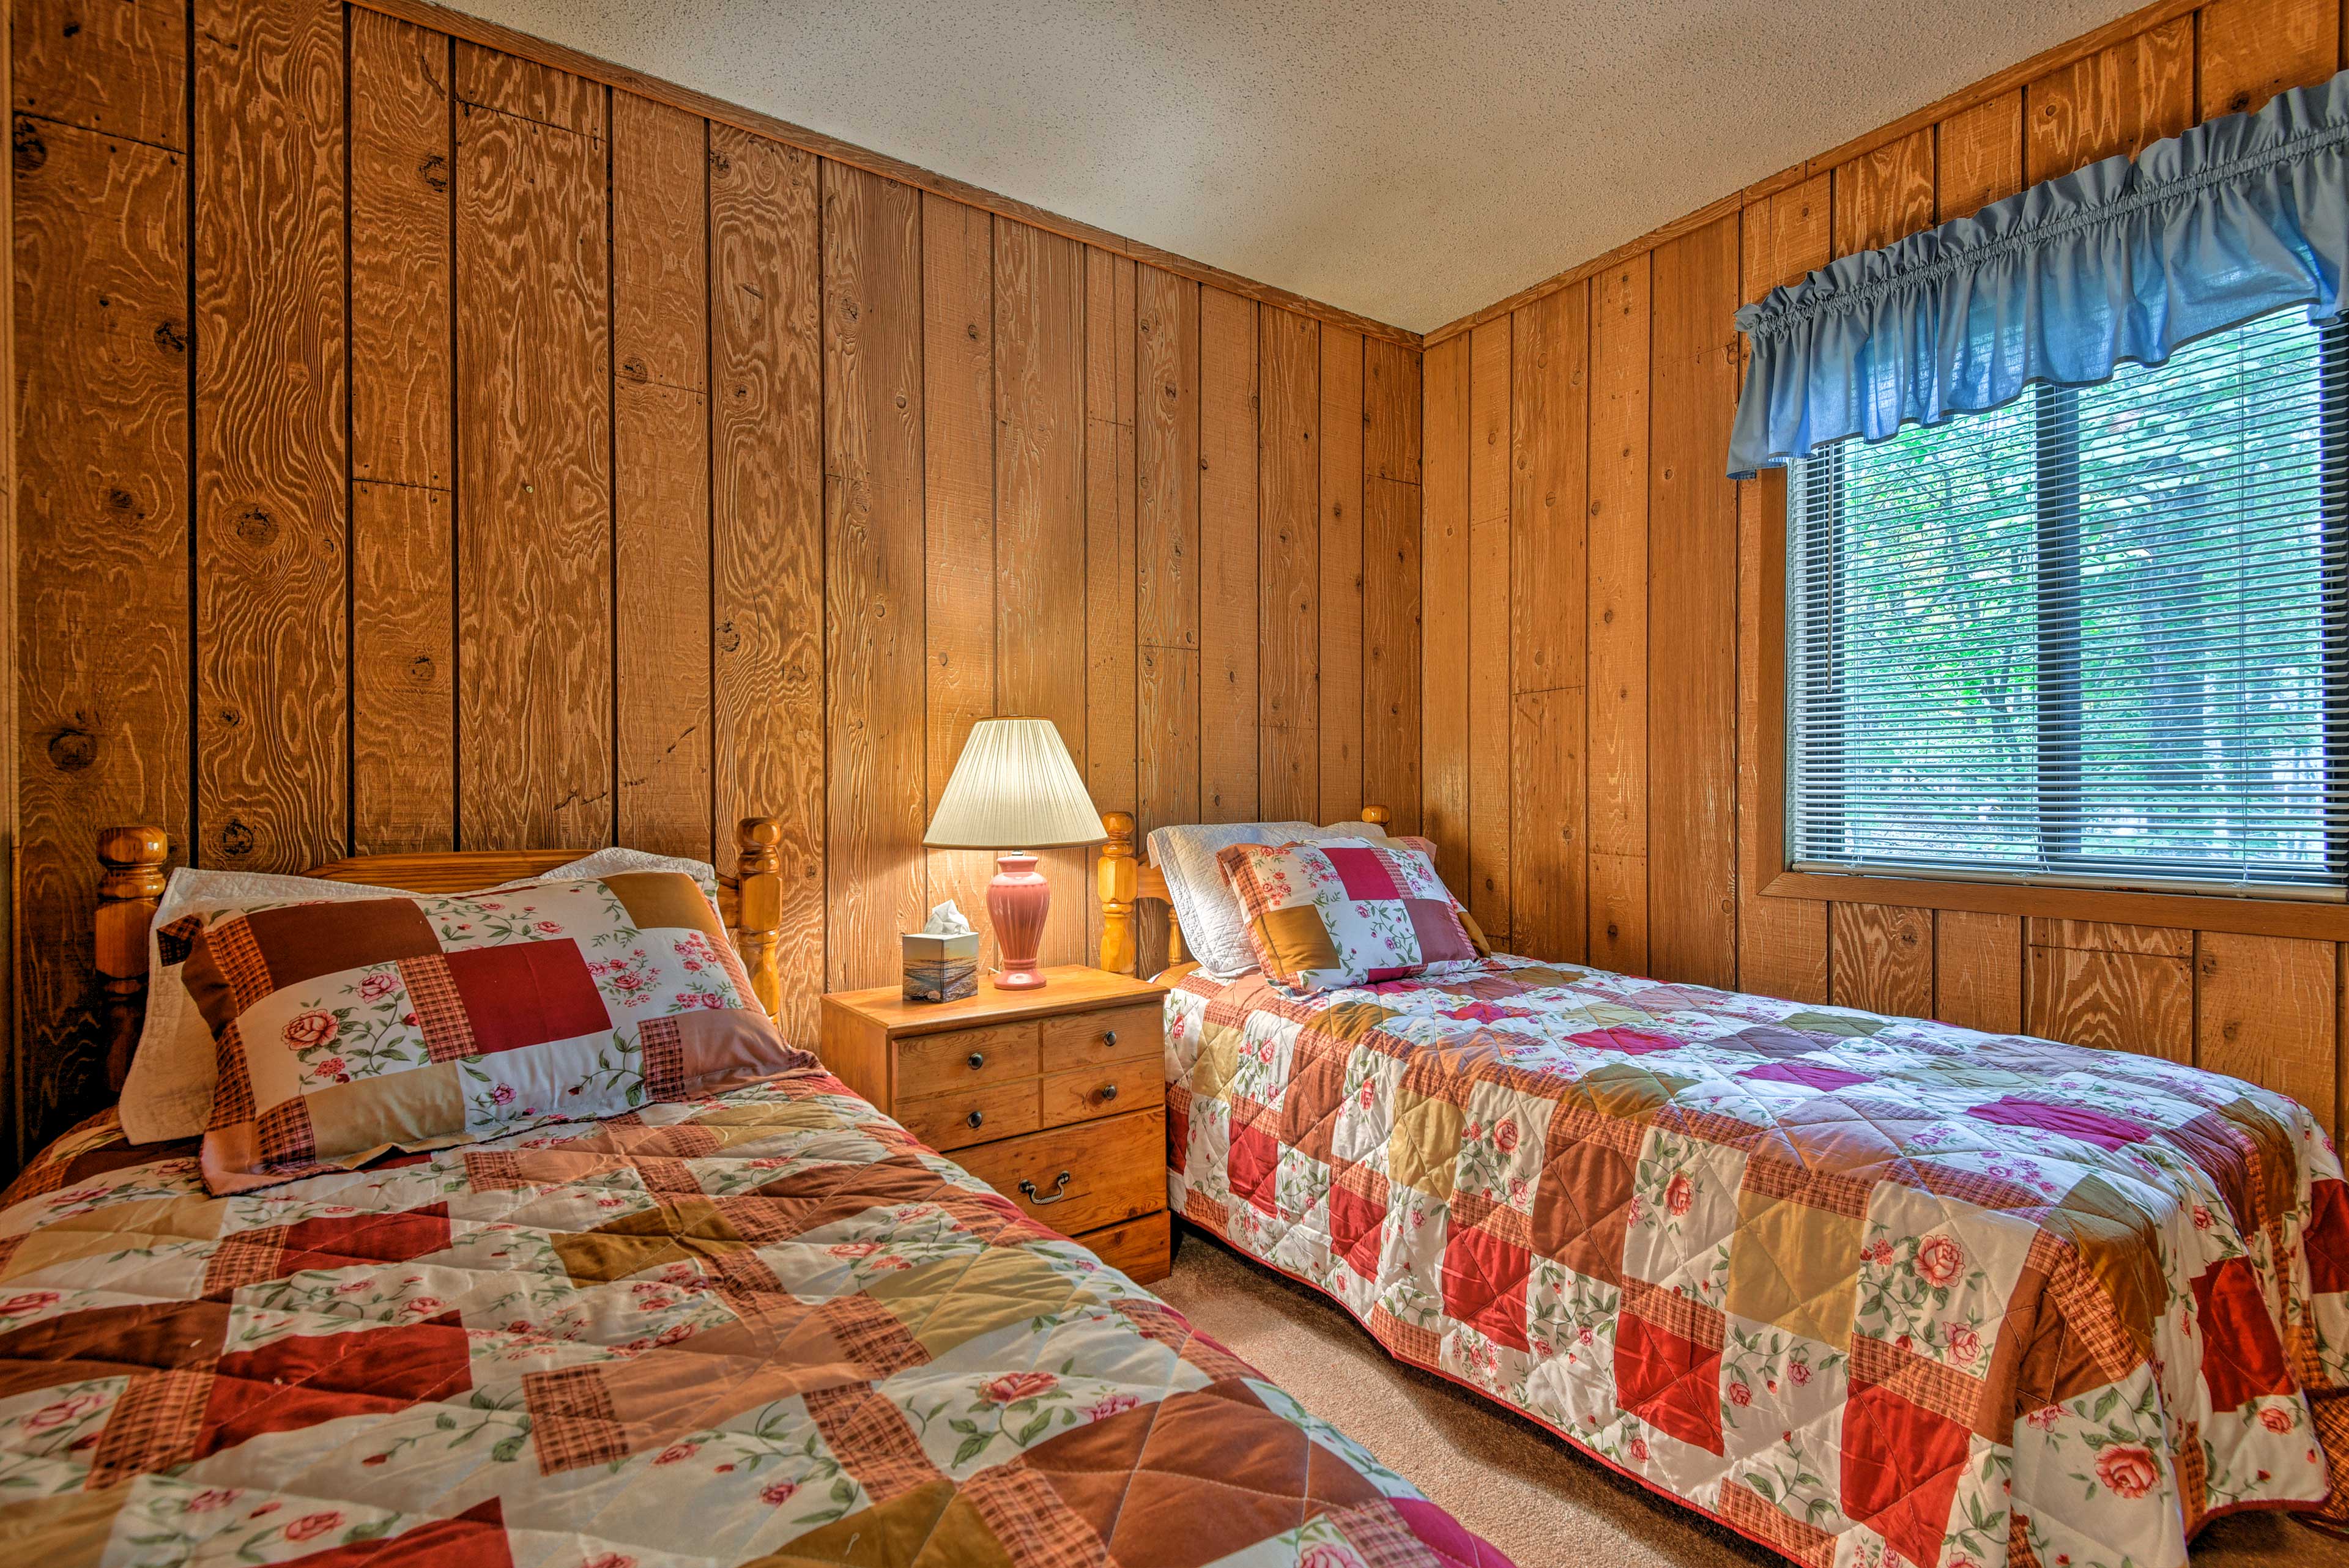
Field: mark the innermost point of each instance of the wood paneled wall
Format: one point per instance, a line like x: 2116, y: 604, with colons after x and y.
x: 1595, y: 665
x: 423, y: 447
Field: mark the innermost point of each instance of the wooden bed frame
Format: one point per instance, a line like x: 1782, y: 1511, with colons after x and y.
x: 750, y: 900
x: 1125, y: 881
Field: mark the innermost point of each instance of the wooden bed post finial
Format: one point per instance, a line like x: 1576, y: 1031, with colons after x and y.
x: 1377, y: 816
x: 127, y: 893
x: 1116, y: 880
x: 758, y: 907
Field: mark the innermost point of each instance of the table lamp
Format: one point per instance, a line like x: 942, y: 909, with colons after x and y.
x: 1014, y: 784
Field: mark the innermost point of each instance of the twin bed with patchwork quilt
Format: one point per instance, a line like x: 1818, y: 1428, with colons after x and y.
x: 1867, y: 1290
x: 764, y: 1327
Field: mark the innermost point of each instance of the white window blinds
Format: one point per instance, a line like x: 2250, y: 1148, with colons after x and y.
x: 2098, y: 635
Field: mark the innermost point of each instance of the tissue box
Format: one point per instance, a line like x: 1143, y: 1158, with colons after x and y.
x: 940, y: 968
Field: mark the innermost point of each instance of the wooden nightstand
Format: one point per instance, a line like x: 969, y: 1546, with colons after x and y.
x: 1056, y: 1097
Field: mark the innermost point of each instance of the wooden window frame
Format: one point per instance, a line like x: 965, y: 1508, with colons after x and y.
x: 2265, y: 916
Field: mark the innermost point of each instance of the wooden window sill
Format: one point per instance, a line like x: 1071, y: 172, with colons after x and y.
x: 2310, y: 919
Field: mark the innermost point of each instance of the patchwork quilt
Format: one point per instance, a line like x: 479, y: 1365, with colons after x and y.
x: 1870, y: 1291
x: 763, y: 1327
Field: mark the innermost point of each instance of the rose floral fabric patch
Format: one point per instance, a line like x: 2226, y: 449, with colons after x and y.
x: 347, y: 1029
x: 1344, y: 912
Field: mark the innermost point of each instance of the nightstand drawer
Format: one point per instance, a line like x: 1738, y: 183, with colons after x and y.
x: 1116, y: 1170
x: 1104, y: 1089
x: 941, y: 1064
x: 977, y: 1114
x: 1118, y: 1035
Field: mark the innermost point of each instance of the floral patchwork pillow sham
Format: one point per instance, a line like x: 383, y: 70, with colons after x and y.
x: 347, y: 1029
x: 1344, y: 912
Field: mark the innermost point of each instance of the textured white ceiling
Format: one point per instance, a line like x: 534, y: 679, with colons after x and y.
x: 1413, y: 163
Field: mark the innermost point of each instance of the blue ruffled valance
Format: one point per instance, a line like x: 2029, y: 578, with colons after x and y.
x: 2121, y: 261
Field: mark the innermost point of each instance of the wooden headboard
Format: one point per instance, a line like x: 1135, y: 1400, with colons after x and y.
x: 750, y: 901
x: 1125, y: 881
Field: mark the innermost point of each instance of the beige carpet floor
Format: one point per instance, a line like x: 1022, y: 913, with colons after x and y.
x: 1505, y: 1478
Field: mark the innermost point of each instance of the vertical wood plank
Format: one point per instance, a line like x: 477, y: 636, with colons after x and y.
x: 401, y: 387
x: 1166, y: 550
x: 1885, y: 195
x: 1883, y: 959
x: 1288, y: 441
x: 1040, y: 487
x: 958, y: 539
x: 1443, y: 613
x: 403, y: 394
x: 1617, y: 551
x: 1339, y: 656
x: 1549, y: 363
x: 534, y: 546
x: 1692, y: 557
x: 660, y: 497
x: 1490, y: 583
x: 767, y: 529
x: 1981, y: 156
x: 1978, y: 970
x: 403, y: 708
x: 101, y: 497
x: 1229, y: 616
x: 271, y: 528
x: 2266, y: 1010
x: 2254, y: 49
x: 1781, y: 943
x: 873, y: 571
x: 120, y: 68
x: 1391, y: 394
x: 2116, y: 101
x: 2117, y: 987
x: 1110, y: 650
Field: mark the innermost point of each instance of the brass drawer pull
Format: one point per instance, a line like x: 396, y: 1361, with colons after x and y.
x: 977, y: 1117
x: 1108, y: 1092
x: 1109, y: 1036
x: 977, y: 1060
x: 1059, y: 1191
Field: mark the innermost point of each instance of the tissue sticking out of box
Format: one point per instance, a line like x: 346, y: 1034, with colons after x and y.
x: 946, y: 920
x: 942, y: 958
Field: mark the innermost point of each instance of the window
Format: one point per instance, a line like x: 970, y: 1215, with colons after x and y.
x: 2099, y: 636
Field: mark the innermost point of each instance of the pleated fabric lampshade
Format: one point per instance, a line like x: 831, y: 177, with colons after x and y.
x: 1015, y: 788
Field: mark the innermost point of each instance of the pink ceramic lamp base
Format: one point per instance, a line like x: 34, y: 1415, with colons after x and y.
x: 1018, y: 900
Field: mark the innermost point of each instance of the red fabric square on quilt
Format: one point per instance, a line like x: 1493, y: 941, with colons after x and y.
x: 528, y: 993
x: 2242, y: 1357
x: 2327, y: 1240
x: 1356, y: 1222
x: 306, y: 1379
x: 1901, y: 1469
x: 1672, y: 1383
x: 1255, y: 1161
x: 1484, y: 1281
x: 1362, y: 874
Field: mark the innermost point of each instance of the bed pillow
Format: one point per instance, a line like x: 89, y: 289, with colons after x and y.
x: 345, y: 1030
x: 1214, y: 927
x: 169, y: 1094
x: 1476, y: 937
x: 1345, y: 911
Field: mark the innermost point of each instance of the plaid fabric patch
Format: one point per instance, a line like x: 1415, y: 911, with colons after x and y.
x: 249, y: 1257
x: 572, y: 1423
x: 243, y: 968
x: 285, y: 1133
x: 439, y: 1010
x: 493, y: 1171
x: 662, y: 1044
x: 232, y: 1090
x: 1772, y: 1174
x: 1037, y: 1529
x: 152, y: 1426
x: 859, y: 1420
x: 1928, y: 1384
x: 1743, y: 1508
x: 173, y: 939
x: 874, y: 1338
